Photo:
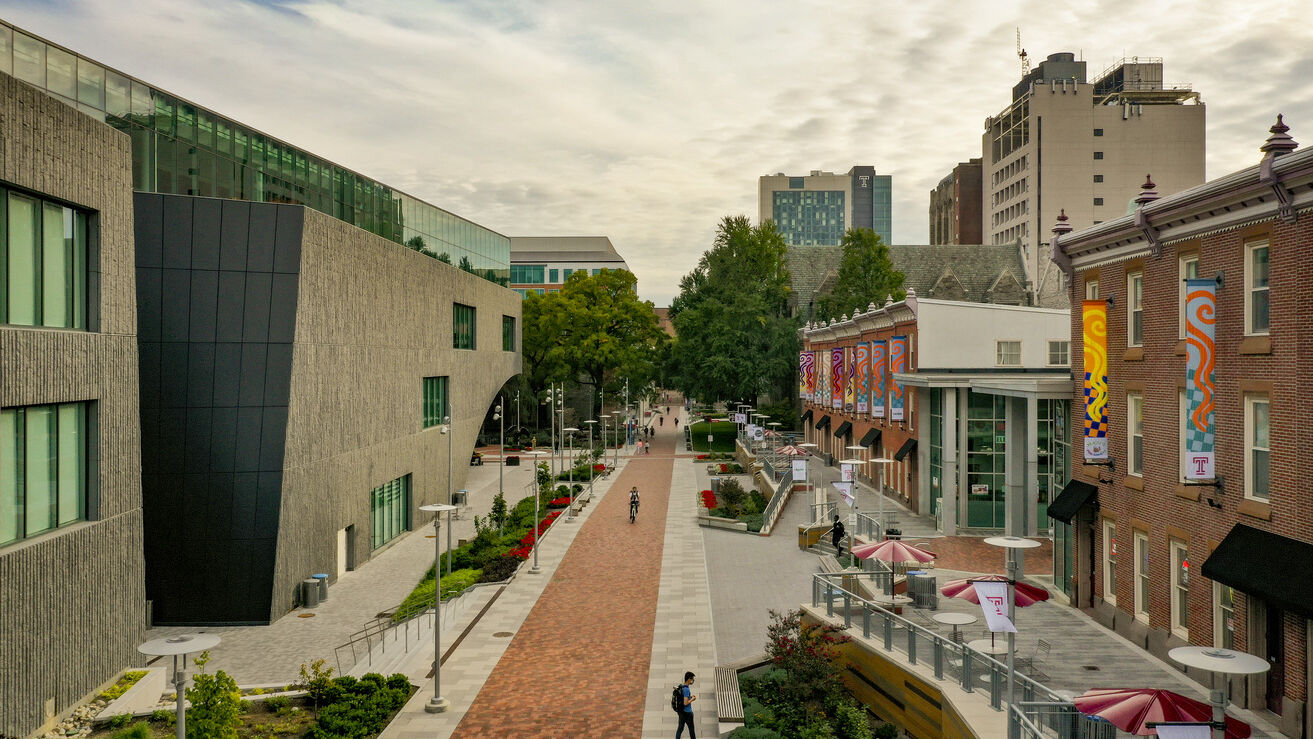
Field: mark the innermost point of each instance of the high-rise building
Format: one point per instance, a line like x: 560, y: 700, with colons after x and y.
x: 1065, y: 142
x: 817, y: 209
x: 955, y: 206
x: 541, y: 264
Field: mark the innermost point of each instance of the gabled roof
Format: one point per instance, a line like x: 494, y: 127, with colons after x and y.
x: 977, y: 267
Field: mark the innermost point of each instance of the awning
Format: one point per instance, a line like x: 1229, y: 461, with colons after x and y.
x: 824, y: 423
x: 1069, y: 501
x: 1266, y: 565
x: 845, y: 429
x: 907, y: 448
x: 871, y: 438
x: 806, y: 416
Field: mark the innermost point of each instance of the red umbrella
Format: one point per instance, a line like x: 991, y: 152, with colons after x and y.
x: 1130, y: 710
x: 790, y: 450
x: 1027, y: 595
x: 893, y: 550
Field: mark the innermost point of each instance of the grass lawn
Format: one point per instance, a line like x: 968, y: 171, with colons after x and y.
x: 723, y: 432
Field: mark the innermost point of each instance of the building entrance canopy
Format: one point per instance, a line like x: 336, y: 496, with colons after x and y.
x: 1270, y: 566
x: 1069, y: 501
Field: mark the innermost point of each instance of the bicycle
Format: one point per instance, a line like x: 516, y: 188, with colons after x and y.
x: 633, y: 511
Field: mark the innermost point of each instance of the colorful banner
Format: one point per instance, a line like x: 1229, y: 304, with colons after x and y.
x: 823, y: 378
x: 993, y: 597
x: 804, y: 370
x: 837, y: 376
x: 850, y: 385
x: 811, y: 377
x: 897, y: 363
x: 879, y: 376
x: 863, y: 371
x: 1095, y: 338
x: 1200, y: 315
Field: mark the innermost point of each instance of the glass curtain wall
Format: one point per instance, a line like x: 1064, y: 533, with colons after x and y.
x: 986, y: 460
x: 937, y: 454
x: 389, y: 507
x: 179, y: 148
x: 1054, y: 474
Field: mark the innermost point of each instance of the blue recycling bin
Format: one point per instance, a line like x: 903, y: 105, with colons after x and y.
x: 323, y: 586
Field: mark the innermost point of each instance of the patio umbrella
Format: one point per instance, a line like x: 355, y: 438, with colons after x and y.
x: 1027, y: 595
x: 893, y: 550
x: 790, y: 450
x: 1130, y: 710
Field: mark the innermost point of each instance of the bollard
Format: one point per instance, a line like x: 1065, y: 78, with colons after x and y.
x: 938, y: 646
x: 911, y: 644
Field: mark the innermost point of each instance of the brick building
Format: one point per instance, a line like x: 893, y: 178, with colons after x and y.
x: 955, y: 206
x: 1162, y: 557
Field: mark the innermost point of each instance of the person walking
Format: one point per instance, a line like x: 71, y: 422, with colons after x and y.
x: 661, y: 420
x: 836, y: 536
x: 633, y: 503
x: 686, y: 715
x: 676, y: 422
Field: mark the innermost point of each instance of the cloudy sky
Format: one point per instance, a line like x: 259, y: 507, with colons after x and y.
x: 648, y: 122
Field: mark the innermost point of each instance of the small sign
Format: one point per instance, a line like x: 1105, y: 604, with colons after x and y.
x: 711, y: 438
x: 980, y: 489
x: 846, y: 472
x: 799, y: 469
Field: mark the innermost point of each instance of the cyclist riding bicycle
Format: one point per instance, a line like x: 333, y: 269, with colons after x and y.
x: 633, y: 503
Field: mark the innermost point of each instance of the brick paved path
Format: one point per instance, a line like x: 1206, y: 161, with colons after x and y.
x: 579, y: 664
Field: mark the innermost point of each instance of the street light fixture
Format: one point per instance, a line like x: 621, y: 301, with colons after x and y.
x: 604, y: 440
x: 179, y: 646
x: 450, y: 432
x: 501, y: 459
x: 590, y: 423
x: 1012, y: 544
x: 880, y: 463
x: 438, y: 704
x: 570, y: 511
x: 537, y: 498
x: 1219, y: 660
x: 551, y: 420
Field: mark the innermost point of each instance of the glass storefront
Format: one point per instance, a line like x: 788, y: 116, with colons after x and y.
x: 937, y: 455
x: 1054, y: 472
x: 181, y: 149
x: 389, y: 507
x: 986, y: 460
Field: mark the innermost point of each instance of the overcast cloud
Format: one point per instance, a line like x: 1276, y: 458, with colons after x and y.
x: 647, y: 122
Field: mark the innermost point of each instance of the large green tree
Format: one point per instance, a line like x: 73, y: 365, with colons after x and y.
x: 735, y: 339
x: 866, y: 275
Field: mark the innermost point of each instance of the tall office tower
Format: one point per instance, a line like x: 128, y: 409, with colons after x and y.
x: 1085, y: 147
x: 955, y: 206
x: 816, y: 210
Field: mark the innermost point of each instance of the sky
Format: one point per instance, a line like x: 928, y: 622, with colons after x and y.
x: 649, y: 122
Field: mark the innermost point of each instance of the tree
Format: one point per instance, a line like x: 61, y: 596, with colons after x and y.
x: 866, y: 275
x: 216, y: 704
x: 735, y: 339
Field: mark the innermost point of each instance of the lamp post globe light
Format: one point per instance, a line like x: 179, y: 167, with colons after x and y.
x: 569, y: 516
x: 590, y: 423
x: 179, y: 646
x: 438, y: 704
x: 551, y: 419
x: 1012, y: 544
x: 498, y: 415
x: 537, y: 498
x: 451, y: 471
x: 1226, y: 662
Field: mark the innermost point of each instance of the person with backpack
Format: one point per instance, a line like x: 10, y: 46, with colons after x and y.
x: 836, y: 536
x: 633, y: 503
x: 681, y: 702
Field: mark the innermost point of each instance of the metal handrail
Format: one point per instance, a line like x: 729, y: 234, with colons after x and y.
x: 869, y: 527
x: 966, y: 666
x: 776, y: 504
x: 377, y: 631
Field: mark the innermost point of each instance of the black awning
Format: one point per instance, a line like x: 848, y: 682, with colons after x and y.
x: 824, y: 423
x: 907, y: 448
x: 806, y: 416
x: 1270, y: 566
x: 1069, y: 501
x: 871, y: 438
x: 845, y: 429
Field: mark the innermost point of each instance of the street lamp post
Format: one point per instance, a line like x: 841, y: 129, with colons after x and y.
x: 570, y: 438
x: 604, y: 417
x: 1219, y: 660
x: 1012, y: 544
x: 501, y: 459
x: 880, y: 463
x: 551, y: 419
x: 451, y: 471
x: 179, y: 646
x: 590, y: 423
x: 537, y: 498
x: 626, y: 413
x: 438, y: 704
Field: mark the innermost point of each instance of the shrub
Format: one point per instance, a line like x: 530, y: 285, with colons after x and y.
x: 754, y: 521
x: 756, y: 502
x: 279, y: 704
x: 119, y: 721
x: 499, y: 569
x: 850, y: 722
x: 422, y: 596
x: 731, y: 496
x: 117, y: 690
x: 362, y: 707
x: 753, y: 732
x: 886, y: 731
x: 316, y: 681
x: 139, y: 730
x: 215, y: 704
x: 163, y: 716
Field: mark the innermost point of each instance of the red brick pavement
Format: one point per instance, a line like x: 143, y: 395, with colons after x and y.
x: 578, y: 666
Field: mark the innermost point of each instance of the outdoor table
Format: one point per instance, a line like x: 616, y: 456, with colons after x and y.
x: 955, y: 620
x: 989, y: 646
x: 895, y: 603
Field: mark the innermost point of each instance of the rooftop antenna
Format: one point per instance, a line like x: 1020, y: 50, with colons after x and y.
x: 1021, y: 54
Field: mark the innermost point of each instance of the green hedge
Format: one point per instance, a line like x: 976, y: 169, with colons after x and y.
x: 723, y: 433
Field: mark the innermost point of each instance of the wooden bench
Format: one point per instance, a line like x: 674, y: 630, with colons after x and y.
x: 729, y: 702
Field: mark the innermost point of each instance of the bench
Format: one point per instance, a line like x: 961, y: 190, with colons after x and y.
x: 729, y: 702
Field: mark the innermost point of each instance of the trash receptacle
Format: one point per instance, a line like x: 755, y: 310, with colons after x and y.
x: 310, y: 593
x: 893, y: 534
x: 323, y: 586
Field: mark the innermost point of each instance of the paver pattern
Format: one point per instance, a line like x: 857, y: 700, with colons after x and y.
x: 579, y: 664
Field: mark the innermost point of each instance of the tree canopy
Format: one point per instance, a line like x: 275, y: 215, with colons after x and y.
x: 866, y: 275
x: 735, y: 339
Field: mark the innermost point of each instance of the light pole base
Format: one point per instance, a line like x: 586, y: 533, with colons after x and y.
x: 534, y: 570
x: 437, y: 705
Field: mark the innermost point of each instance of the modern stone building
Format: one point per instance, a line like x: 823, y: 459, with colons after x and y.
x: 542, y: 264
x: 1065, y: 142
x: 1162, y: 548
x: 72, y: 597
x: 817, y: 209
x: 955, y: 206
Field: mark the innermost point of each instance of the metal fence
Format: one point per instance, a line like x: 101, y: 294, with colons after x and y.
x: 377, y: 634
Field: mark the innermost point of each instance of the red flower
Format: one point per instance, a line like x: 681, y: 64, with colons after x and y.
x: 708, y: 499
x: 520, y: 552
x: 561, y: 502
x: 703, y: 456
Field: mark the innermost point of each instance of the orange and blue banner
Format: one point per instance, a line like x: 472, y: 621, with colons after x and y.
x: 863, y: 370
x: 837, y: 376
x: 850, y: 385
x: 897, y: 363
x: 1200, y: 393
x: 879, y: 376
x: 804, y: 373
x: 1094, y: 315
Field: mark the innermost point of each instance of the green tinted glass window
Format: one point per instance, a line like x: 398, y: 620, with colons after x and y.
x: 29, y: 60
x: 508, y: 333
x: 43, y: 263
x: 389, y: 509
x: 43, y: 481
x: 61, y: 73
x: 434, y: 407
x: 463, y: 326
x: 6, y: 66
x: 91, y: 84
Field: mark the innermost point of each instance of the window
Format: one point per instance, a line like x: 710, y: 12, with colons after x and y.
x: 508, y: 333
x: 1110, y: 562
x: 1180, y: 589
x: 1098, y: 178
x: 1141, y: 576
x: 43, y: 263
x: 1256, y: 290
x: 1223, y: 616
x: 555, y: 276
x: 1135, y: 309
x: 1134, y: 434
x: 1059, y: 353
x: 1007, y: 353
x: 389, y: 511
x: 463, y: 326
x: 1188, y: 269
x: 1092, y: 289
x: 436, y: 405
x: 1258, y: 450
x: 1098, y: 155
x: 1098, y: 132
x: 1098, y: 201
x: 43, y: 469
x: 597, y: 272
